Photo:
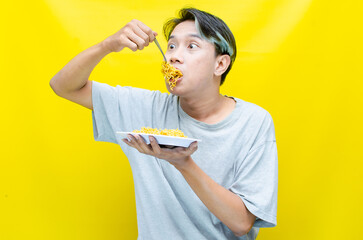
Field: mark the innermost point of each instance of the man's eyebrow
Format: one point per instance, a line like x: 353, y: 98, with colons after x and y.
x: 189, y: 35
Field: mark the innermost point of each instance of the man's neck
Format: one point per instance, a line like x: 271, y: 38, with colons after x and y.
x: 210, y: 109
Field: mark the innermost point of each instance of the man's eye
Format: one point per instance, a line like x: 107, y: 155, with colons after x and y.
x: 171, y: 46
x: 192, y: 45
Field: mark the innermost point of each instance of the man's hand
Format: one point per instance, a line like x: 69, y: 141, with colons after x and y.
x: 179, y: 156
x: 134, y: 35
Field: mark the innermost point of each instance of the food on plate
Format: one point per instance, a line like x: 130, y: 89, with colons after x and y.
x: 165, y: 132
x: 171, y: 74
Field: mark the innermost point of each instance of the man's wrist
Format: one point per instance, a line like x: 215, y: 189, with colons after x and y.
x: 104, y: 47
x: 186, y: 166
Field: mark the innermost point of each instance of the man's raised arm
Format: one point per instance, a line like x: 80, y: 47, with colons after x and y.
x: 72, y: 83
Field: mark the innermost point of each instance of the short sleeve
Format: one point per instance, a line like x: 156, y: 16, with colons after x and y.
x: 105, y: 113
x: 257, y: 176
x: 125, y: 109
x: 122, y: 109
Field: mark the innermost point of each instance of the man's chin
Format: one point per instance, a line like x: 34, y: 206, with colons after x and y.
x: 174, y: 92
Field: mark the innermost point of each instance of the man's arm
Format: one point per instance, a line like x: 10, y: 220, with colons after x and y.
x: 72, y: 83
x: 224, y: 204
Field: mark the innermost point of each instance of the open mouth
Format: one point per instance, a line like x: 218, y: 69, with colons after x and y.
x: 171, y: 74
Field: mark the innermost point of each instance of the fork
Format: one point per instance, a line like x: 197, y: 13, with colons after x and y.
x: 157, y: 44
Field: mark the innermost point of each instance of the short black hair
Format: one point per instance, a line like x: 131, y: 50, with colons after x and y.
x: 211, y: 28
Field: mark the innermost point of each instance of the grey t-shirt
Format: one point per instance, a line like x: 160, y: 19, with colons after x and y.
x: 239, y: 153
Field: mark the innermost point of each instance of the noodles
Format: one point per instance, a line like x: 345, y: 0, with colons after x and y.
x: 165, y: 132
x: 171, y: 74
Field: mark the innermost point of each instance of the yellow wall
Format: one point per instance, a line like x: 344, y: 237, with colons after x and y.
x: 299, y: 59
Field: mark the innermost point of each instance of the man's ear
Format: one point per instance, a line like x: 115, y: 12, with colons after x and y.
x: 222, y: 63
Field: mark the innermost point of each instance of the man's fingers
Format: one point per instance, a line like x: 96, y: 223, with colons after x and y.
x: 125, y: 140
x: 192, y: 148
x: 130, y: 44
x: 154, y: 145
x: 134, y: 35
x: 147, y: 30
x: 138, y: 31
x: 137, y: 40
x: 142, y: 144
x: 134, y: 143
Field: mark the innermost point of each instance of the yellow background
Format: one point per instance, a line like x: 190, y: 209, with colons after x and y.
x: 300, y: 60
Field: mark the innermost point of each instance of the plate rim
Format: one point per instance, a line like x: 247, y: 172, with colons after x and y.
x: 148, y: 134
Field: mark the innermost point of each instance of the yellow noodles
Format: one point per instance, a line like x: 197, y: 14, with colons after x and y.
x: 165, y: 132
x: 171, y: 74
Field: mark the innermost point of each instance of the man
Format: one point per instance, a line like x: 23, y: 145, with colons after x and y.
x: 225, y: 188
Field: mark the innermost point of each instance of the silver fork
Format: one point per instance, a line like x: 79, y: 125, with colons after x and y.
x: 157, y: 44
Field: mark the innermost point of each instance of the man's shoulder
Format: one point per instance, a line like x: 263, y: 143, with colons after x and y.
x: 253, y: 109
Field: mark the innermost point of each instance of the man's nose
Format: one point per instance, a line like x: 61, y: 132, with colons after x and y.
x: 176, y: 56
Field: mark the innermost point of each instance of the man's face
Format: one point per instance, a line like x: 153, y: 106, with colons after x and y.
x: 194, y: 57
